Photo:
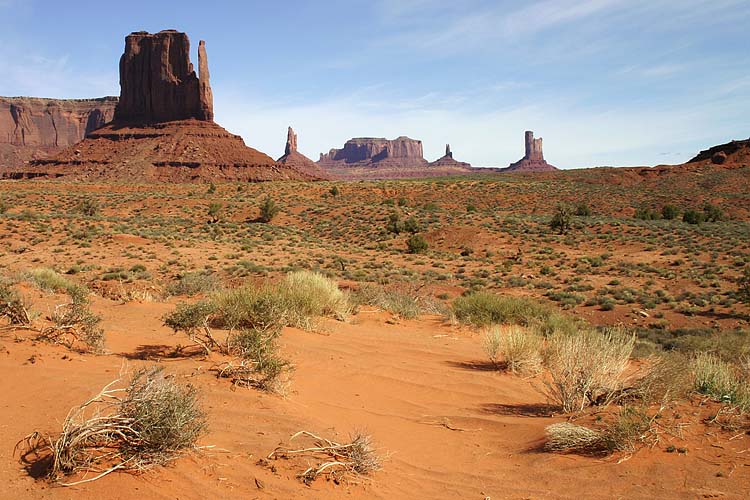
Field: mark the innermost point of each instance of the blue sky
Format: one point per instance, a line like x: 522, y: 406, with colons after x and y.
x: 605, y: 82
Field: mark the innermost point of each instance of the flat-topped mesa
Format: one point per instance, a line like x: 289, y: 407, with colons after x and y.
x: 291, y: 142
x: 157, y: 80
x: 370, y: 151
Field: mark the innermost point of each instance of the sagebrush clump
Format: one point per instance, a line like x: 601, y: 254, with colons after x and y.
x: 150, y: 421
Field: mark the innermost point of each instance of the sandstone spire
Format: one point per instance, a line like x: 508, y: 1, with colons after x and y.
x: 533, y: 147
x: 291, y: 142
x: 157, y: 80
x: 533, y: 159
x: 448, y: 152
x: 204, y: 83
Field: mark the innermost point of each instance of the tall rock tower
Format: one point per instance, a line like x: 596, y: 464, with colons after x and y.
x: 533, y: 159
x: 533, y: 147
x: 157, y: 80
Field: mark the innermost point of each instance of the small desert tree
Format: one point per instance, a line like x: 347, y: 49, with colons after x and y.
x: 268, y: 209
x: 562, y: 219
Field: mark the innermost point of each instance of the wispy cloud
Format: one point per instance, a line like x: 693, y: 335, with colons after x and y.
x: 51, y: 76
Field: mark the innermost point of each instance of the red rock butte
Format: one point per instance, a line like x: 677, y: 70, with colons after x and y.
x: 533, y: 160
x: 295, y: 159
x: 163, y: 126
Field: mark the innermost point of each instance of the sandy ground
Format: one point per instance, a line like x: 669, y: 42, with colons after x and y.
x: 447, y: 426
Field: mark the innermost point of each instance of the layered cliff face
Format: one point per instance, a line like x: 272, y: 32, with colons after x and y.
x: 374, y: 152
x: 157, y: 80
x: 533, y: 160
x: 32, y: 127
x: 163, y: 126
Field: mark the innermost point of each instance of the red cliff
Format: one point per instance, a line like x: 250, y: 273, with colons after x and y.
x: 33, y: 127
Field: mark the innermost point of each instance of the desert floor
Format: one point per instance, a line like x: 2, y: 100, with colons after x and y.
x: 448, y: 424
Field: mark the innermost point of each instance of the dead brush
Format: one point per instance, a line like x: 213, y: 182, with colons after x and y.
x: 631, y: 427
x: 13, y: 307
x: 257, y: 362
x: 74, y: 323
x: 339, y: 462
x: 149, y: 422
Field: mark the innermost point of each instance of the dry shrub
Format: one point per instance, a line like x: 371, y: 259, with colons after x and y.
x: 485, y: 308
x: 12, y: 306
x: 522, y: 351
x: 721, y: 380
x: 668, y: 378
x: 586, y: 368
x: 310, y: 295
x: 149, y: 422
x: 258, y: 363
x: 519, y: 348
x: 74, y: 323
x: 565, y: 437
x: 338, y: 461
x: 193, y: 283
x: 629, y: 428
x: 492, y: 344
x: 404, y: 304
x: 50, y: 280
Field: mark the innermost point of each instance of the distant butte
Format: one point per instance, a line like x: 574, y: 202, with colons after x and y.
x: 448, y: 161
x: 163, y: 126
x: 402, y: 152
x: 295, y: 159
x: 533, y: 160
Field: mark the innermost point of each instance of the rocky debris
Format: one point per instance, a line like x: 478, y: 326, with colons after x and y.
x: 373, y: 152
x: 157, y: 80
x: 731, y: 153
x: 719, y: 158
x: 533, y: 160
x: 33, y: 127
x: 295, y: 159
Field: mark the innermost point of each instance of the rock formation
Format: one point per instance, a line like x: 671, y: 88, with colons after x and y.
x: 375, y: 152
x: 447, y: 161
x: 533, y: 160
x: 291, y: 142
x: 32, y: 127
x: 294, y: 158
x: 157, y: 81
x: 731, y: 153
x: 163, y: 126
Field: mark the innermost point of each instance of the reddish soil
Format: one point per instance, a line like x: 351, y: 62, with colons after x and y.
x: 449, y: 427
